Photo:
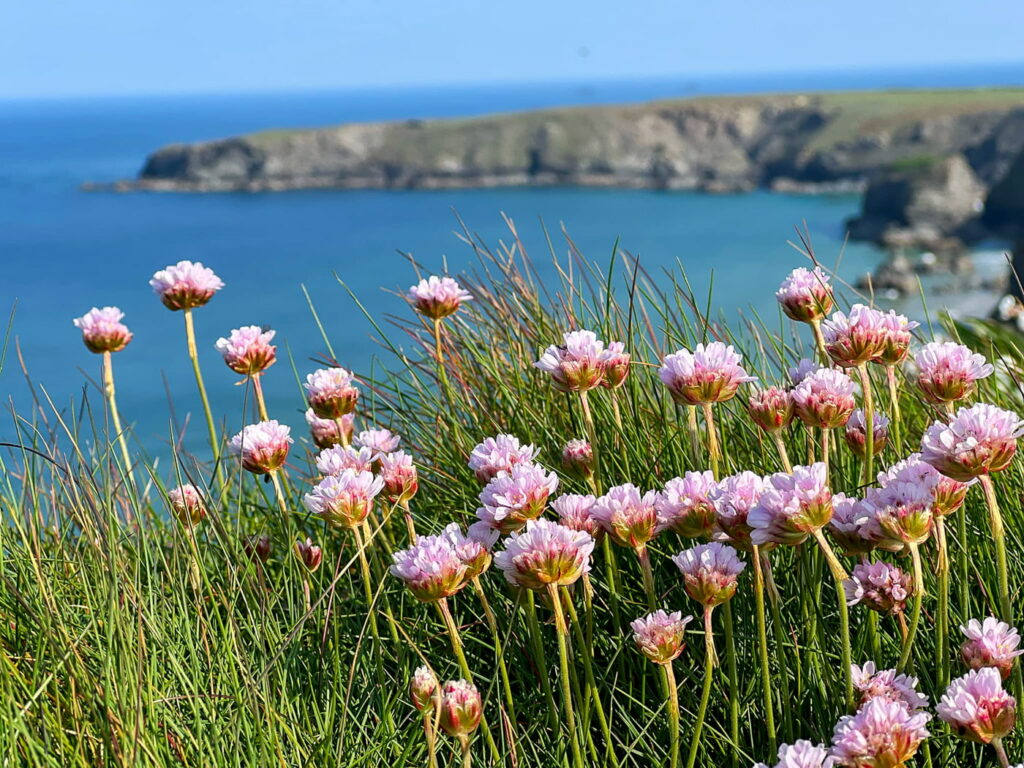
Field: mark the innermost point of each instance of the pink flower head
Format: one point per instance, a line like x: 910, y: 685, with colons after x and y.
x: 948, y: 495
x: 661, y: 636
x: 850, y: 525
x: 474, y: 550
x: 544, y: 554
x: 577, y: 512
x: 802, y: 754
x: 792, y: 506
x: 379, y: 441
x: 871, y: 684
x: 257, y: 547
x: 947, y: 371
x: 187, y: 503
x: 856, y: 338
x: 883, y: 734
x: 338, y: 458
x: 344, y: 500
x: 616, y: 365
x: 980, y: 440
x: 710, y: 572
x: 771, y: 409
x: 805, y: 295
x: 331, y: 393
x: 977, y: 708
x: 856, y: 433
x: 102, y: 330
x: 329, y: 432
x: 881, y: 587
x: 802, y: 369
x: 824, y: 398
x: 431, y: 568
x: 510, y: 499
x: 309, y: 554
x: 263, y: 447
x: 903, y: 511
x: 437, y: 297
x: 686, y: 506
x: 709, y: 374
x: 629, y: 517
x: 990, y: 643
x: 461, y: 708
x: 577, y: 365
x: 896, y: 338
x: 424, y: 689
x: 578, y: 458
x: 499, y: 454
x: 735, y: 497
x: 248, y: 350
x: 185, y: 285
x: 401, y: 481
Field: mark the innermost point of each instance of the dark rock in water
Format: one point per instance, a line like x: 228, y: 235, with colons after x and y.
x: 894, y: 276
x: 1004, y: 208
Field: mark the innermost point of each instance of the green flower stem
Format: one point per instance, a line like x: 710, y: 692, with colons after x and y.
x: 734, y: 684
x: 467, y: 757
x: 563, y: 662
x: 115, y: 416
x: 429, y: 717
x: 540, y: 660
x: 780, y: 444
x: 673, y: 715
x: 819, y: 342
x: 612, y: 568
x: 915, y: 616
x: 261, y: 402
x: 942, y: 614
x: 873, y: 640
x: 895, y: 419
x: 591, y: 430
x: 963, y: 567
x: 824, y: 453
x: 648, y: 573
x: 781, y: 640
x: 371, y: 612
x: 282, y: 504
x: 714, y: 453
x: 839, y: 575
x: 869, y: 424
x: 499, y: 652
x: 705, y: 694
x: 691, y: 424
x: 193, y: 353
x: 762, y: 642
x: 997, y: 745
x: 995, y: 522
x: 442, y: 372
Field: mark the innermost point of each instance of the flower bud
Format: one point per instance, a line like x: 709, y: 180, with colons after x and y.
x: 309, y: 554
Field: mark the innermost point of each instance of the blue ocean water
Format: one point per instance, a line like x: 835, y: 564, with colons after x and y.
x: 64, y: 250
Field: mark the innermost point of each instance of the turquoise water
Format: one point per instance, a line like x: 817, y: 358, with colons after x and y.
x: 64, y: 250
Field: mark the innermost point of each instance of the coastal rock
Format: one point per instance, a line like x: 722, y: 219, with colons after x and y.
x: 1004, y: 207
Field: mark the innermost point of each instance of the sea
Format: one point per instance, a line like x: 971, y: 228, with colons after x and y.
x: 64, y: 250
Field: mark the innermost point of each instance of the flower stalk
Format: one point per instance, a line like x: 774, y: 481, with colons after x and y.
x: 562, y: 630
x: 710, y: 661
x: 115, y: 417
x: 193, y: 354
x: 915, y: 616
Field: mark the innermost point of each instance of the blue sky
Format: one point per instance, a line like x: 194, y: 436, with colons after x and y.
x: 86, y: 47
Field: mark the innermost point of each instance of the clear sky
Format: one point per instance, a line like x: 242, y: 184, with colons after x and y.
x: 86, y: 47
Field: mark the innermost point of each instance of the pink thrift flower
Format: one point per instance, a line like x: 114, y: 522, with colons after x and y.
x: 578, y: 458
x: 257, y: 547
x: 474, y: 549
x: 824, y: 398
x: 709, y: 374
x: 805, y: 295
x: 510, y: 499
x: 328, y: 432
x: 577, y: 365
x: 661, y: 636
x: 102, y: 330
x: 980, y: 440
x: 335, y: 460
x: 616, y: 365
x: 309, y: 554
x: 977, y: 708
x: 437, y: 297
x: 855, y: 338
x: 263, y: 447
x: 577, y: 512
x: 734, y: 498
x: 871, y: 684
x: 499, y: 454
x: 771, y: 409
x: 802, y: 754
x: 883, y: 734
x: 947, y: 371
x: 804, y: 367
x: 379, y: 441
x: 461, y: 708
x: 903, y: 511
x: 856, y: 433
x: 628, y: 516
x: 850, y: 526
x: 990, y: 643
x: 248, y: 350
x: 344, y: 500
x: 401, y: 481
x: 544, y: 554
x: 331, y: 393
x: 431, y: 568
x: 896, y: 338
x: 710, y: 572
x: 792, y: 506
x: 881, y: 587
x: 187, y: 503
x: 686, y: 506
x: 424, y: 689
x: 948, y: 495
x: 185, y: 285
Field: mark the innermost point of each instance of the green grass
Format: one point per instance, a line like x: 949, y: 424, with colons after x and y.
x: 120, y: 647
